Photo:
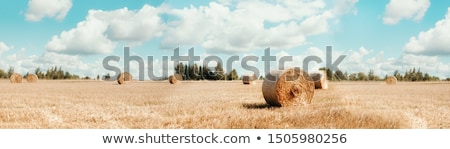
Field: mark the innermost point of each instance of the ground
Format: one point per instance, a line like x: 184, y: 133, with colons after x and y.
x: 216, y: 105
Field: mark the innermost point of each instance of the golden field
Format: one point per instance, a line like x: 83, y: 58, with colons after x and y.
x: 216, y: 105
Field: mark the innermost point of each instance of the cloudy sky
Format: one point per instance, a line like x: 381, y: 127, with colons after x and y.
x: 383, y: 35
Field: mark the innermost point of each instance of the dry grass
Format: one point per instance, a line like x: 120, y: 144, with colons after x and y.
x: 96, y: 104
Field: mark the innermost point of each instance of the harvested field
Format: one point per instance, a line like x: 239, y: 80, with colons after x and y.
x: 215, y: 104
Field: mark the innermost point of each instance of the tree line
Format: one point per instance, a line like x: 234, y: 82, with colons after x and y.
x: 196, y: 72
x: 53, y: 73
x: 411, y: 75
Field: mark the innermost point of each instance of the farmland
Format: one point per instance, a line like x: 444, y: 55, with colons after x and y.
x: 218, y: 104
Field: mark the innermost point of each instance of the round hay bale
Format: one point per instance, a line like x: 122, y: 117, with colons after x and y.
x: 175, y: 79
x: 15, y: 78
x: 124, y: 77
x: 391, y: 80
x: 248, y: 79
x: 32, y: 78
x: 288, y: 87
x: 320, y: 79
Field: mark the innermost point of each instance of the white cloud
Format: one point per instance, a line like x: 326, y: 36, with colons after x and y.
x: 87, y: 38
x: 363, y: 60
x: 217, y: 27
x: 38, y: 9
x: 397, y: 10
x: 429, y: 64
x: 432, y: 42
x: 250, y: 25
x: 23, y: 63
x: 345, y: 6
x: 4, y: 47
x: 126, y: 25
x: 101, y: 31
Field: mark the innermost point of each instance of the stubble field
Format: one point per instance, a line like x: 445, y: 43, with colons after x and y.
x: 216, y: 105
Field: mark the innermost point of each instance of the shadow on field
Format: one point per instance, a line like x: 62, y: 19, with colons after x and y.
x: 257, y: 106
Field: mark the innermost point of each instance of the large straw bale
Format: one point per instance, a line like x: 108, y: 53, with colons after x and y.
x: 124, y: 78
x: 249, y: 79
x: 32, y: 78
x: 320, y: 79
x: 15, y: 78
x: 288, y: 87
x: 391, y: 80
x: 175, y: 79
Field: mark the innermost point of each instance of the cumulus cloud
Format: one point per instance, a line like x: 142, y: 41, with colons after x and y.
x: 101, y: 30
x: 397, y: 10
x: 219, y: 28
x: 87, y: 38
x: 433, y: 41
x: 345, y: 6
x: 222, y: 27
x: 38, y: 9
x: 4, y: 47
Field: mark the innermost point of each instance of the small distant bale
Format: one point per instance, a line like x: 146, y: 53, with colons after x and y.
x: 124, y: 78
x: 248, y: 79
x: 320, y: 79
x: 175, y: 79
x: 391, y: 80
x: 15, y: 78
x: 288, y: 87
x: 32, y: 78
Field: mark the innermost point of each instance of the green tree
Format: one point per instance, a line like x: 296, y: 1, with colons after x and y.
x: 362, y: 76
x: 67, y: 75
x: 10, y: 71
x: 26, y: 75
x: 3, y: 74
x: 426, y: 77
x: 371, y: 75
x: 329, y: 74
x: 220, y: 74
x: 340, y: 75
x: 107, y: 76
x: 233, y: 75
x: 353, y: 77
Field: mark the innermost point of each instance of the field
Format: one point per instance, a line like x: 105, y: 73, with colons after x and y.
x: 216, y: 105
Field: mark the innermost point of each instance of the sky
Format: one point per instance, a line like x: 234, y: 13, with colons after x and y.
x: 382, y: 35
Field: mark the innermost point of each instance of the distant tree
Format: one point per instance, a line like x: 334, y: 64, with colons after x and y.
x: 26, y: 75
x: 3, y: 74
x: 10, y: 71
x: 233, y: 75
x: 220, y: 74
x: 98, y: 77
x: 107, y: 76
x: 329, y: 74
x: 340, y: 75
x: 208, y: 74
x: 353, y: 77
x: 261, y: 77
x: 362, y: 76
x: 371, y: 75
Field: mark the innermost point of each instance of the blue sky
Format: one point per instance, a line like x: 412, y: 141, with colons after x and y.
x: 384, y: 35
